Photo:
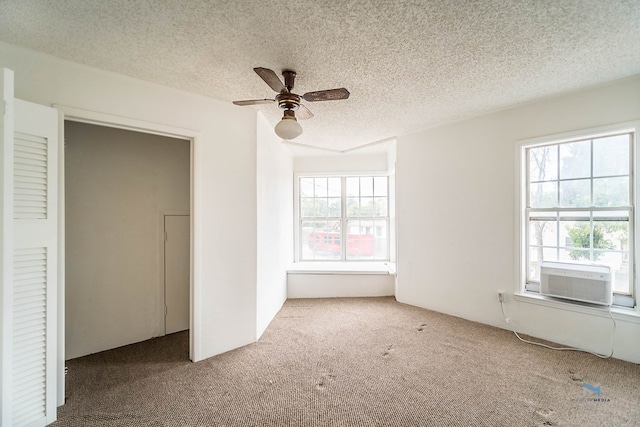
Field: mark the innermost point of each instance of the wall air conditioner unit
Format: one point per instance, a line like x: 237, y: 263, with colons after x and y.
x: 577, y: 282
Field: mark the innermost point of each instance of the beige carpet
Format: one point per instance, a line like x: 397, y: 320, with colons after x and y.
x: 353, y: 362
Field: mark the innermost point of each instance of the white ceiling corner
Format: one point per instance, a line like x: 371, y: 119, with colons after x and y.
x: 409, y: 64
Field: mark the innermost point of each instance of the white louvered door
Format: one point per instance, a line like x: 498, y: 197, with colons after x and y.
x: 29, y: 251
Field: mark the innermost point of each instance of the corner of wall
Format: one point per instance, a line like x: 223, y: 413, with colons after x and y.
x: 274, y: 180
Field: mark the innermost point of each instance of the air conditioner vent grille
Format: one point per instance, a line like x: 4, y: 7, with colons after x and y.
x: 576, y: 282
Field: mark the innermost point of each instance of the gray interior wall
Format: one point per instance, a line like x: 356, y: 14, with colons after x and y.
x: 118, y: 183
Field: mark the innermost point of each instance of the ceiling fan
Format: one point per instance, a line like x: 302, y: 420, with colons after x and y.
x: 288, y: 127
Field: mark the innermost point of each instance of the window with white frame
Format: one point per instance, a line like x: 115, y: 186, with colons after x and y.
x: 343, y: 218
x: 577, y: 201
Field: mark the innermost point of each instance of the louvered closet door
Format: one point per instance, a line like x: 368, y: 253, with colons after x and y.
x: 30, y: 289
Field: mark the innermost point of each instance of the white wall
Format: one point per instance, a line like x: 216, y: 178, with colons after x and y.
x: 456, y: 216
x: 341, y: 163
x: 337, y: 285
x: 118, y: 183
x: 224, y: 180
x: 275, y: 223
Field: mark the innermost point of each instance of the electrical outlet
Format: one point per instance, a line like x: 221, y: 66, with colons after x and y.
x: 501, y: 296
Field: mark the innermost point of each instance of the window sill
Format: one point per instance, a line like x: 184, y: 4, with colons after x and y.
x: 342, y: 268
x: 619, y: 313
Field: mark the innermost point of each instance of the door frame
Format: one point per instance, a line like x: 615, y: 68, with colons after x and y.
x: 108, y: 120
x: 162, y: 284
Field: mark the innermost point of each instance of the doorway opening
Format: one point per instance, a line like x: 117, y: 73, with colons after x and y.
x: 120, y: 186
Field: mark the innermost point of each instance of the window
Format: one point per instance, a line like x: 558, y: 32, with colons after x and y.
x: 577, y: 199
x: 343, y: 218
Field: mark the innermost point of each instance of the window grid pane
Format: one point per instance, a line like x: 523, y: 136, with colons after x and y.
x: 364, y: 235
x: 592, y: 177
x: 320, y: 198
x: 367, y: 197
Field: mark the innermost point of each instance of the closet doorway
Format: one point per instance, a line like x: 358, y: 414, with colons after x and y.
x: 119, y: 184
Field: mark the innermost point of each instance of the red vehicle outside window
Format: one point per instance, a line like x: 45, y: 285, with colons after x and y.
x: 329, y: 241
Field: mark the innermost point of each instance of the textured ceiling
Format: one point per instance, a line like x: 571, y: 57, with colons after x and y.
x: 409, y: 65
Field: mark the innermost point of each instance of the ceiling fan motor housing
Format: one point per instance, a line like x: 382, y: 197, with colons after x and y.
x: 288, y: 101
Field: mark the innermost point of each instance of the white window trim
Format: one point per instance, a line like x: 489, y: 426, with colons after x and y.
x: 520, y: 200
x: 619, y: 313
x: 342, y: 267
x: 390, y: 215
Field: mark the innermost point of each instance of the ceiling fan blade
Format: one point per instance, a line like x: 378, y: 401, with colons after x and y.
x: 254, y: 101
x: 326, y: 95
x: 304, y: 113
x: 270, y: 78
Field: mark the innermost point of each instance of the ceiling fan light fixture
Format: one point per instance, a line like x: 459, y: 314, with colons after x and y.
x: 288, y: 128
